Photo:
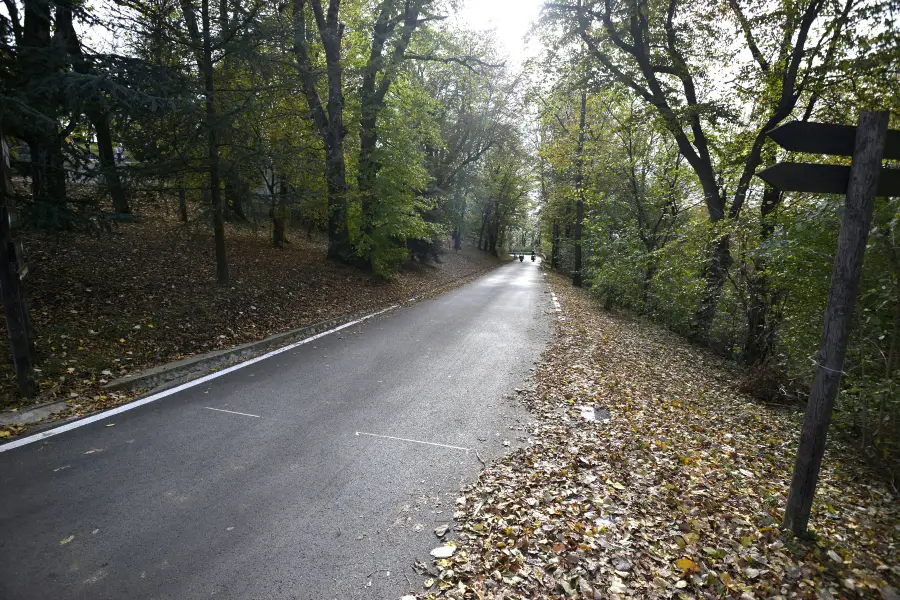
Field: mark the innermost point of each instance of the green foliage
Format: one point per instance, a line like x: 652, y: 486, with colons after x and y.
x: 406, y: 129
x: 801, y: 258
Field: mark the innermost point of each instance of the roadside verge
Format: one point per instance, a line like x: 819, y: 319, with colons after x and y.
x: 650, y: 476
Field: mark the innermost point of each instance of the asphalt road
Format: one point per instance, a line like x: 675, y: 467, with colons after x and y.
x: 301, y: 499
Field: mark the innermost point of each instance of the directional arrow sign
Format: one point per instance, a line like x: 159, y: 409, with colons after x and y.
x: 825, y: 138
x: 823, y: 179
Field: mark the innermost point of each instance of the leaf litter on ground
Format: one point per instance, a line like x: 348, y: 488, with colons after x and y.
x: 678, y: 494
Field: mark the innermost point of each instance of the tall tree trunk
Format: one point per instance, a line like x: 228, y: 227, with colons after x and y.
x: 496, y: 224
x: 761, y: 324
x: 48, y: 175
x: 714, y: 275
x: 234, y: 185
x: 278, y: 208
x: 370, y: 106
x: 485, y: 215
x: 182, y: 204
x: 330, y: 125
x: 205, y: 65
x: 579, y: 191
x: 378, y: 76
x: 114, y: 185
x: 14, y: 300
x: 554, y: 252
x: 339, y: 247
x: 48, y: 183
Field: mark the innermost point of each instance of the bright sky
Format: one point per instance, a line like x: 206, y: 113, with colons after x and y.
x: 511, y: 19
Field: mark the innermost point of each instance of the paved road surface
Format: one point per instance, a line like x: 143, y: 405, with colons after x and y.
x: 178, y: 501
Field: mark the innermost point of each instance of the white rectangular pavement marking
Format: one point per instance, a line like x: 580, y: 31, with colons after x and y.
x: 132, y: 405
x: 399, y: 439
x: 233, y: 412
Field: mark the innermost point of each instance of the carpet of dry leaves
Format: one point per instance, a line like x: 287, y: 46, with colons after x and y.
x: 145, y: 295
x: 678, y: 494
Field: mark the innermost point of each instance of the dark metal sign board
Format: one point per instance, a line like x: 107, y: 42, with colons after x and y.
x: 823, y: 179
x: 825, y: 138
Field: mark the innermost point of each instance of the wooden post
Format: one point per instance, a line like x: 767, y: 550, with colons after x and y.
x: 15, y: 306
x: 848, y: 261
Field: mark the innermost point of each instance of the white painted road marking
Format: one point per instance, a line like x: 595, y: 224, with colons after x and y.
x: 233, y: 412
x: 556, y: 303
x: 399, y: 439
x: 132, y: 405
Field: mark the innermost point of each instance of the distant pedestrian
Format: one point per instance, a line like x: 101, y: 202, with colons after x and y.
x: 457, y: 241
x: 119, y: 154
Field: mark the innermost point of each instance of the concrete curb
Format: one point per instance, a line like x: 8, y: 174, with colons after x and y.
x: 32, y: 413
x: 178, y: 372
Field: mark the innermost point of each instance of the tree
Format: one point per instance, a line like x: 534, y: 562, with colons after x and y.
x: 506, y: 183
x: 579, y: 189
x: 201, y: 40
x: 330, y: 124
x: 474, y: 107
x: 36, y: 63
x: 66, y: 38
x: 650, y: 50
x: 393, y: 27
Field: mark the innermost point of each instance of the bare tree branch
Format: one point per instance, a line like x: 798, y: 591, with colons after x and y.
x: 307, y: 76
x: 829, y: 54
x: 786, y: 104
x: 14, y: 19
x: 748, y: 34
x: 466, y: 61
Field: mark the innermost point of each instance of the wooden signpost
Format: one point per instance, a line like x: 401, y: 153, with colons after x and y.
x: 12, y: 270
x: 825, y: 138
x: 862, y: 181
x: 824, y: 179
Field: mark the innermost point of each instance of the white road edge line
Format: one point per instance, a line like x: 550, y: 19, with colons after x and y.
x: 399, y: 439
x: 233, y: 412
x: 195, y: 382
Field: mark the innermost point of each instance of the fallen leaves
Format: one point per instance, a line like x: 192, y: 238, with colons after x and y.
x: 66, y: 540
x: 678, y: 493
x: 686, y: 566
